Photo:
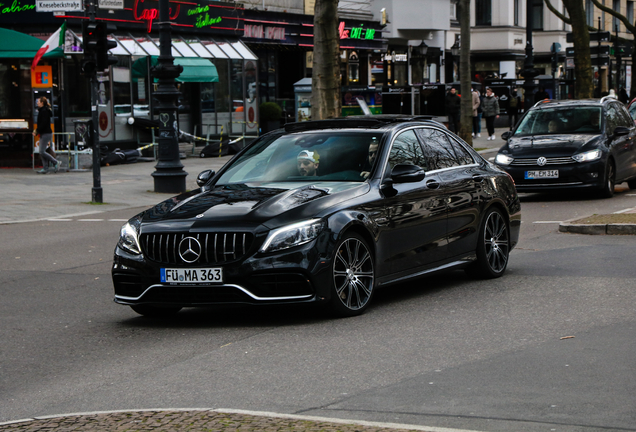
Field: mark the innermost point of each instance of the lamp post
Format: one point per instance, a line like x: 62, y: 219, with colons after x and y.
x: 169, y: 176
x: 529, y: 72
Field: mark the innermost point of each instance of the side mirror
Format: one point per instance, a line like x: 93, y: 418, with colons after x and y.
x: 204, y: 177
x: 506, y: 135
x: 621, y: 131
x: 406, y: 173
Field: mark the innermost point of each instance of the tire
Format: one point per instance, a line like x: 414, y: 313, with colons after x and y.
x: 607, y: 190
x: 353, y: 276
x: 151, y: 311
x: 493, y: 247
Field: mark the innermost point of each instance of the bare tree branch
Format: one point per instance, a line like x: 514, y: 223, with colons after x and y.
x: 554, y: 10
x: 629, y: 26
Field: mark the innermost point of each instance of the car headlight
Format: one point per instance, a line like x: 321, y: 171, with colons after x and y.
x: 587, y: 156
x: 129, y: 237
x: 503, y: 159
x: 292, y: 235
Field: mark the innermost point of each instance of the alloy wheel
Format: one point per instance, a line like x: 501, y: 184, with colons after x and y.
x: 496, y: 242
x: 353, y: 274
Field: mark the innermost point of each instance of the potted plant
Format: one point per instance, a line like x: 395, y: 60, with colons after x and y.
x: 270, y: 115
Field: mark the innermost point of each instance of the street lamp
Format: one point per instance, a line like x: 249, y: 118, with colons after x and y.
x: 455, y: 51
x: 422, y: 49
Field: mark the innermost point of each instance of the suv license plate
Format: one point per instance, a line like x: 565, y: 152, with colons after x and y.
x: 192, y: 276
x: 531, y: 175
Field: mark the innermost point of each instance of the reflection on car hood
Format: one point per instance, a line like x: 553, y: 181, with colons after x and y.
x: 570, y: 143
x: 250, y: 203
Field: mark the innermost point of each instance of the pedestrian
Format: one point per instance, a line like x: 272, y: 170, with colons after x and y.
x: 453, y: 109
x: 622, y: 96
x: 46, y: 135
x: 476, y: 117
x: 513, y: 108
x: 491, y: 112
x: 541, y: 94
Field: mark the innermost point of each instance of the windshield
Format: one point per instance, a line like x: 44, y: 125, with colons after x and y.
x: 322, y: 156
x: 563, y: 120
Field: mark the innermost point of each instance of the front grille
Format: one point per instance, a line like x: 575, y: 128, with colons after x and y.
x: 549, y: 161
x: 128, y: 285
x: 216, y: 248
x: 281, y: 285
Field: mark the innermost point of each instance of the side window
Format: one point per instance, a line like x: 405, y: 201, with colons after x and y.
x: 438, y: 149
x: 611, y: 119
x: 626, y: 119
x: 407, y: 150
x: 463, y: 157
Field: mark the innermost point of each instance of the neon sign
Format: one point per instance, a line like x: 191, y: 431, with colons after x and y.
x: 16, y: 7
x: 149, y: 15
x: 355, y: 32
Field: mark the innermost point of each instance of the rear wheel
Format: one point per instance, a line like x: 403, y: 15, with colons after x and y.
x: 152, y: 311
x: 493, y: 247
x: 353, y: 276
x: 607, y: 190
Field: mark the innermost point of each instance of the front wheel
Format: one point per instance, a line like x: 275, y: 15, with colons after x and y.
x: 607, y: 190
x: 151, y: 311
x: 493, y: 246
x: 353, y: 276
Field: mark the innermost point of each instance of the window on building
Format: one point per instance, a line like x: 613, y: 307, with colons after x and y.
x: 537, y: 14
x: 453, y: 11
x: 483, y: 12
x: 589, y: 12
x: 516, y: 12
x: 630, y: 12
x: 617, y: 7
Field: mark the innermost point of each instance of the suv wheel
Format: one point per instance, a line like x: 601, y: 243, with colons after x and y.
x: 607, y: 191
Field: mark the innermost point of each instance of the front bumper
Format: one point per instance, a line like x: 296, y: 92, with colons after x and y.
x: 297, y: 275
x: 571, y: 176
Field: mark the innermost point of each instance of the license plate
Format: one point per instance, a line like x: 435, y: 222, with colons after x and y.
x: 531, y: 175
x: 192, y: 276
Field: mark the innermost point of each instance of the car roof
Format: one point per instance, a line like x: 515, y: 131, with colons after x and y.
x: 548, y: 103
x: 375, y: 122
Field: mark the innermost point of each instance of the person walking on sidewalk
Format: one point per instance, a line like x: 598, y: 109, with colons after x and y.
x: 513, y: 108
x: 453, y: 109
x: 46, y: 134
x: 490, y: 106
x: 476, y: 118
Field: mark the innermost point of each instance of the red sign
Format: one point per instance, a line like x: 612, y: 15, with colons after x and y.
x: 150, y: 14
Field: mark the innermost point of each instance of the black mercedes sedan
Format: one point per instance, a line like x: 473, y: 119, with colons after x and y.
x: 321, y: 212
x: 571, y: 144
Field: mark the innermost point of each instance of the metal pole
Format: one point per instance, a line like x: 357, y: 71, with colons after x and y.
x: 169, y: 176
x: 598, y: 59
x: 529, y: 72
x: 97, y: 194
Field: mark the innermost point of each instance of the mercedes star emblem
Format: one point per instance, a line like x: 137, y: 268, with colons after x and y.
x: 189, y: 249
x: 542, y: 161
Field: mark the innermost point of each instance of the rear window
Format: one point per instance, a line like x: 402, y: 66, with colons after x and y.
x: 563, y: 120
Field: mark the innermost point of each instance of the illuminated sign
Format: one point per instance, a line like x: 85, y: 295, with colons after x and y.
x: 355, y: 32
x: 150, y: 14
x: 16, y: 6
x: 42, y: 77
x: 256, y: 31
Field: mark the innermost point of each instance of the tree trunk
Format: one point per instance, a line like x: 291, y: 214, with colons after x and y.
x: 325, y: 85
x: 466, y: 122
x: 583, y: 84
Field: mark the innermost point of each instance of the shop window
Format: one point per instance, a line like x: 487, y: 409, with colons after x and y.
x: 236, y: 85
x: 121, y: 90
x: 9, y: 90
x: 354, y: 68
x: 207, y: 97
x: 79, y: 100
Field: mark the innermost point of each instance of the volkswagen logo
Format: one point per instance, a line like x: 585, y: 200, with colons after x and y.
x: 542, y: 161
x: 189, y: 249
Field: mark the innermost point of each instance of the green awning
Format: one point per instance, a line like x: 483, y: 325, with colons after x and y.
x: 194, y: 69
x: 21, y: 45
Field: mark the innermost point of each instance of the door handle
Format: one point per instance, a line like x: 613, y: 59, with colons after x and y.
x: 432, y: 184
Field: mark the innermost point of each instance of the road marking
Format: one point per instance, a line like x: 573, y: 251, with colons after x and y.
x: 90, y: 220
x: 117, y: 220
x: 60, y: 220
x: 624, y: 211
x: 547, y: 222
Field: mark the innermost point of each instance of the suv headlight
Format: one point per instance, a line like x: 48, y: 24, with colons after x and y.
x: 503, y: 159
x: 292, y: 235
x: 129, y: 237
x: 587, y: 156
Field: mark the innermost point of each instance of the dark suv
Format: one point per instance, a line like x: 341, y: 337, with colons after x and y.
x: 571, y: 144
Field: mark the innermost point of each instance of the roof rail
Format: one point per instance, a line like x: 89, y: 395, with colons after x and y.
x: 542, y: 101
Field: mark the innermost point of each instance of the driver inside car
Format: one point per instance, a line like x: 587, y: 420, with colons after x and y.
x: 308, y: 162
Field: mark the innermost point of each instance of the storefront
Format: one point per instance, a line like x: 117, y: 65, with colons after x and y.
x: 283, y: 43
x: 218, y: 87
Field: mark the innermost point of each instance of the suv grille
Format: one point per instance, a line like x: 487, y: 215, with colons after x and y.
x: 549, y: 161
x: 216, y: 248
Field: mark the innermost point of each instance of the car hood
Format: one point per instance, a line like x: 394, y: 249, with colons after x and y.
x: 249, y: 204
x: 547, y: 145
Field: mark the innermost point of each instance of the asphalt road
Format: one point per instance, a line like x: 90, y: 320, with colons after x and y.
x: 548, y: 347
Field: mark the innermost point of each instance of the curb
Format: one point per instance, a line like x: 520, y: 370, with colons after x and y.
x: 255, y: 414
x: 597, y: 229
